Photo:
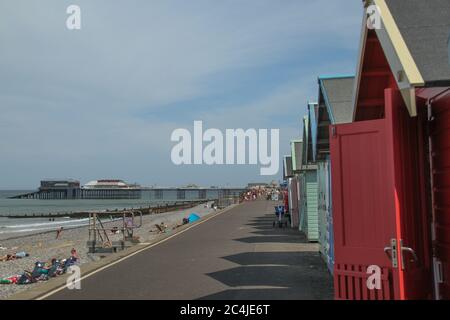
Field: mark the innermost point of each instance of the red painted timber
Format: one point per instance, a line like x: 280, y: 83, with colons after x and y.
x: 378, y: 180
x: 440, y: 134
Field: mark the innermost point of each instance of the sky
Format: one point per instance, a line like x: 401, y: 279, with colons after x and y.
x: 102, y: 101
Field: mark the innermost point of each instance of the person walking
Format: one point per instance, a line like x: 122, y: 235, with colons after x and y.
x: 58, y: 232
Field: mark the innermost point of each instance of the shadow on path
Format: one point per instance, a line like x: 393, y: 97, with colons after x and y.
x: 279, y: 274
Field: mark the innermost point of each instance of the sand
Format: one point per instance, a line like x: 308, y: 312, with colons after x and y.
x: 43, y: 247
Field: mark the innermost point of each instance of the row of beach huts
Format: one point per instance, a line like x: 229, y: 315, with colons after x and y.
x: 368, y: 178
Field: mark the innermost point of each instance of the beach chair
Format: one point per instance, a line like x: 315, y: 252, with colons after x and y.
x: 160, y: 228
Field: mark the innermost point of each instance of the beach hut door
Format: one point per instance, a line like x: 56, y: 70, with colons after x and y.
x: 379, y: 238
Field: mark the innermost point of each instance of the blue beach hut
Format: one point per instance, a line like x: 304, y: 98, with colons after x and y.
x: 335, y: 107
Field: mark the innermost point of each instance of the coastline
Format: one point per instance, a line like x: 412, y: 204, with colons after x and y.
x: 43, y: 246
x: 83, y: 216
x: 156, y: 208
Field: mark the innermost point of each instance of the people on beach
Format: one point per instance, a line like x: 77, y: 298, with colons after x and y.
x: 74, y: 254
x: 115, y: 230
x: 72, y: 260
x: 58, y: 232
x: 161, y: 228
x: 53, y: 268
x: 9, y: 280
x: 7, y: 257
x: 15, y: 256
x: 42, y: 271
x: 21, y: 254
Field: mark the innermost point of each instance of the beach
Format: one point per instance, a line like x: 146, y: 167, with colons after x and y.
x: 44, y: 246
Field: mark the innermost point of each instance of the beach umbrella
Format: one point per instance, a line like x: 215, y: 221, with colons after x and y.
x: 193, y: 217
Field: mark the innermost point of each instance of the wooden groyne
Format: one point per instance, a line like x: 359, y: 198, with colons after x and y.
x: 156, y: 209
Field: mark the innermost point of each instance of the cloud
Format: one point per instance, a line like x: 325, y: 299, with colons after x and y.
x: 103, y: 101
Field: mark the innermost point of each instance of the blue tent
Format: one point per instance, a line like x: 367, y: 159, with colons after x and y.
x: 193, y: 217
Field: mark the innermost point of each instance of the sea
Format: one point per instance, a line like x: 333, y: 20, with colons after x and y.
x: 17, y: 207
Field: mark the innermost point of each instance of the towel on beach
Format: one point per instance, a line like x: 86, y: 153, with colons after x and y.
x: 193, y: 217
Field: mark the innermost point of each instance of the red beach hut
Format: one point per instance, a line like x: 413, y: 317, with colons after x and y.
x: 391, y: 166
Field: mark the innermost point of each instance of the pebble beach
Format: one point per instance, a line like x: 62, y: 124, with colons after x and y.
x: 44, y: 246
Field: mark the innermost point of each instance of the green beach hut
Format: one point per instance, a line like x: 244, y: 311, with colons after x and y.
x: 309, y: 219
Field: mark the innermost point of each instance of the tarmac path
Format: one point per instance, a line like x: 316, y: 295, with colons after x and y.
x: 235, y: 255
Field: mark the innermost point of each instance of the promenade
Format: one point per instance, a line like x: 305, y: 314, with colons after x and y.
x: 235, y: 255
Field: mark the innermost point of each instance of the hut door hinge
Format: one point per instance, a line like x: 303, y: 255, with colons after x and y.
x: 333, y: 131
x: 438, y: 272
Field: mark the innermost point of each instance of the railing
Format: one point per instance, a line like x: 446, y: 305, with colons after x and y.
x: 101, y: 237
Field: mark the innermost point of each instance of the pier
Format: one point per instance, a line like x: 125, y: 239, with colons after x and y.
x: 185, y: 193
x: 71, y: 189
x: 119, y: 190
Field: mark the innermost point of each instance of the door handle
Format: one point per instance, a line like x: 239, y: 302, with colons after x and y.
x: 415, y: 258
x: 391, y: 252
x: 411, y: 251
x: 387, y: 250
